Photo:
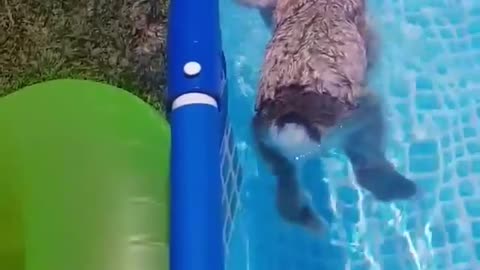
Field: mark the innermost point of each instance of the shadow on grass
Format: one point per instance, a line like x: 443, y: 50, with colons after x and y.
x: 120, y: 42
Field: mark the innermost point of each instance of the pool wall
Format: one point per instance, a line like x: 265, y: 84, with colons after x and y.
x: 204, y: 167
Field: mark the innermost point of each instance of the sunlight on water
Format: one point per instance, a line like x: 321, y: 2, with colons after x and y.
x: 429, y: 74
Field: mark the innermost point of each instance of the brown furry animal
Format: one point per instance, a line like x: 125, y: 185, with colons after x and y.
x: 312, y: 91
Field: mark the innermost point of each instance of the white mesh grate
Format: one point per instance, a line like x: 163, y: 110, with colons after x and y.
x: 231, y: 181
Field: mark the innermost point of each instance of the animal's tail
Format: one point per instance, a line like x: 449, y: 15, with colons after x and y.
x: 289, y: 198
x: 365, y: 149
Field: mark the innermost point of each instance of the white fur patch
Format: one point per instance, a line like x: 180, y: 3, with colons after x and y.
x: 293, y: 141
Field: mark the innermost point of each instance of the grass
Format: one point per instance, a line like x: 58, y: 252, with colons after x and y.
x: 120, y: 42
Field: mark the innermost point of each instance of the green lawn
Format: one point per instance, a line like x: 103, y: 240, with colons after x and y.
x: 121, y: 42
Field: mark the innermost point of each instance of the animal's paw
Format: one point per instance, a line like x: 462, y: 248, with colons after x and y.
x: 302, y: 215
x: 311, y: 220
x: 385, y: 183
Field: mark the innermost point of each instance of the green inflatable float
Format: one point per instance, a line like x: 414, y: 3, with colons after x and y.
x: 83, y: 179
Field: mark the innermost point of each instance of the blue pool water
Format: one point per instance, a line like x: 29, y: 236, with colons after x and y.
x: 429, y: 74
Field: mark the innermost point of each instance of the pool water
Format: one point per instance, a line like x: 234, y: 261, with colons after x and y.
x: 429, y: 73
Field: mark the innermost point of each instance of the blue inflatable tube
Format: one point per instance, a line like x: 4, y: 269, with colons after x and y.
x: 196, y: 213
x: 194, y: 37
x: 197, y: 109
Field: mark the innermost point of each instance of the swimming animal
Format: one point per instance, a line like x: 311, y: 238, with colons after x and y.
x: 313, y: 91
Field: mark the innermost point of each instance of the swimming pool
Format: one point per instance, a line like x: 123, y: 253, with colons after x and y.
x: 429, y: 74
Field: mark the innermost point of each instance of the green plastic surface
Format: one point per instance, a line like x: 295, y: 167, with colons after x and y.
x: 83, y: 179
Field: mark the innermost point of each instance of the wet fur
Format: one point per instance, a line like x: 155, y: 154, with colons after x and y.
x: 314, y: 75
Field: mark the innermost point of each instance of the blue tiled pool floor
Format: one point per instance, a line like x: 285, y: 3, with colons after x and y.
x: 429, y: 74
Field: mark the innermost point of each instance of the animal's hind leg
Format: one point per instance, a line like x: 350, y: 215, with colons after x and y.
x: 289, y: 197
x: 366, y: 151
